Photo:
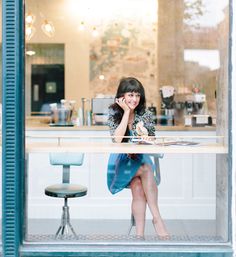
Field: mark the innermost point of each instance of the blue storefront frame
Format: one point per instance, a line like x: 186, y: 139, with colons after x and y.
x: 12, y: 126
x: 13, y: 168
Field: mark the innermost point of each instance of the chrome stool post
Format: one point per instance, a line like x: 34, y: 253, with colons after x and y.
x: 65, y: 222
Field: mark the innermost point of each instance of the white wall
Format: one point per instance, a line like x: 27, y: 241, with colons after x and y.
x: 67, y: 33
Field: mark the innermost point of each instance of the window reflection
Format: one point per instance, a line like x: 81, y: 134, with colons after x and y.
x: 44, y: 77
x: 204, y: 13
x: 164, y: 43
x: 101, y: 47
x: 203, y: 57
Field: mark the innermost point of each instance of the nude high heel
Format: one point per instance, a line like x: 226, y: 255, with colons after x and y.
x: 164, y: 235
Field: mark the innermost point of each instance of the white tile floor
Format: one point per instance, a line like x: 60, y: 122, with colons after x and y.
x: 180, y: 230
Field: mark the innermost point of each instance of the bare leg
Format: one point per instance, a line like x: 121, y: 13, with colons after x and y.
x: 138, y: 205
x: 150, y: 189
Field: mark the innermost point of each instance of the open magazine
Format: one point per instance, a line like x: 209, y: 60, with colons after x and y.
x: 164, y: 143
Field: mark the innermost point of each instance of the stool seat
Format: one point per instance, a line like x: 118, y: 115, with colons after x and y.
x: 66, y: 190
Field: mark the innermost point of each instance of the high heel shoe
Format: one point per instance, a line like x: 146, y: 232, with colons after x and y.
x: 161, y: 230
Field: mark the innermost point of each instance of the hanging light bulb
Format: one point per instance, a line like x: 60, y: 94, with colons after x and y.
x: 29, y: 18
x: 94, y: 32
x: 81, y: 26
x: 101, y: 77
x: 29, y: 32
x: 48, y: 28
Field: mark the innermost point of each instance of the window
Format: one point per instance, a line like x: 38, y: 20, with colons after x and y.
x: 169, y: 43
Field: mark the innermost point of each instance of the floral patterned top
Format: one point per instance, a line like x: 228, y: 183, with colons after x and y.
x: 146, y: 118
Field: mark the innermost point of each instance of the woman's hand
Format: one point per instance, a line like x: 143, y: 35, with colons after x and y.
x: 141, y: 130
x: 121, y: 102
x: 146, y: 138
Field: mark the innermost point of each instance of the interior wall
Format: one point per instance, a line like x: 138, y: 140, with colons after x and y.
x: 78, y: 44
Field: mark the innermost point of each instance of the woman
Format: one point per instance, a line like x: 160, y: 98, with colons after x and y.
x: 128, y: 117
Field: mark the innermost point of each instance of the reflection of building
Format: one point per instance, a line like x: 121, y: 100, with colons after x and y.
x: 201, y: 38
x: 223, y: 121
x: 170, y: 42
x: 175, y: 39
x: 204, y: 41
x: 125, y: 48
x: 205, y: 78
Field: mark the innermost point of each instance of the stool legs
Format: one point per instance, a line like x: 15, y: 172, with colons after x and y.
x: 65, y: 222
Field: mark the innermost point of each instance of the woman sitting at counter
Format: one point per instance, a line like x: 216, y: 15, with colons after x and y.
x: 128, y: 117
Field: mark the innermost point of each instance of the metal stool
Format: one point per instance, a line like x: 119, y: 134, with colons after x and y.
x: 157, y: 175
x: 65, y: 189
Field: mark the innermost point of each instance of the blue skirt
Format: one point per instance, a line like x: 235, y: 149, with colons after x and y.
x: 122, y: 168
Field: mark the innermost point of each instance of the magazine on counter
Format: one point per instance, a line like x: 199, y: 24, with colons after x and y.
x: 164, y: 143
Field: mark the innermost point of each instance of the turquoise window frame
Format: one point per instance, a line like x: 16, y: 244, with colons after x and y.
x: 13, y: 149
x: 13, y: 156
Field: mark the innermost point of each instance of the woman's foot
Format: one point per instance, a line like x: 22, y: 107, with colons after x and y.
x: 160, y: 229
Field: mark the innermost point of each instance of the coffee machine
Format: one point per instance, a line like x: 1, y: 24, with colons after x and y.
x: 201, y: 116
x: 196, y: 111
x: 199, y: 104
x: 167, y: 105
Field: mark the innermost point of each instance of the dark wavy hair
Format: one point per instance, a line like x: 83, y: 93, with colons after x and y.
x: 126, y: 85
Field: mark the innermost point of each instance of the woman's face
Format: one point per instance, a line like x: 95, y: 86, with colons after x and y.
x: 132, y: 99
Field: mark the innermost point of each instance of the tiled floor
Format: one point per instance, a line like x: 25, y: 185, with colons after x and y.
x: 203, y: 231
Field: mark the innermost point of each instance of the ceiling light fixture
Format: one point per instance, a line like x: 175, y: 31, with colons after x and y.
x: 29, y: 32
x: 29, y: 18
x: 82, y: 26
x: 30, y: 52
x: 95, y: 32
x: 47, y: 26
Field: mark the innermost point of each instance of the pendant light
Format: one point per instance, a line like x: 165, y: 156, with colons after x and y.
x: 48, y: 28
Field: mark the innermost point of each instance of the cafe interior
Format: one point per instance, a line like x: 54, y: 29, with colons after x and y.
x: 76, y: 52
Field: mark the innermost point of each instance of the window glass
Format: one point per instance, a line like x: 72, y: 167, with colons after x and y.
x: 76, y: 54
x: 1, y: 111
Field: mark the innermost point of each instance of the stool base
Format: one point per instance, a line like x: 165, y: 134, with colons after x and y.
x: 65, y: 226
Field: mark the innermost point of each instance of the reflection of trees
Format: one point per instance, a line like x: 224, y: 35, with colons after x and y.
x: 205, y: 78
x: 193, y: 9
x: 112, y: 47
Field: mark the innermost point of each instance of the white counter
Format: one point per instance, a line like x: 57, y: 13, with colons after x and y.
x: 107, y: 147
x: 37, y: 126
x: 187, y: 190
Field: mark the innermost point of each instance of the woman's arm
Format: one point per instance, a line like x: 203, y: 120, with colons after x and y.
x: 118, y: 130
x: 121, y: 129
